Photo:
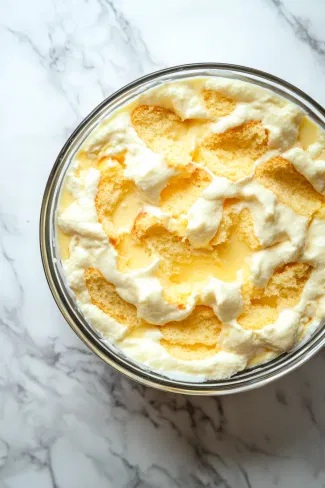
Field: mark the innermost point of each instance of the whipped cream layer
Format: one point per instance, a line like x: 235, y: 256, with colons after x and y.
x: 284, y: 235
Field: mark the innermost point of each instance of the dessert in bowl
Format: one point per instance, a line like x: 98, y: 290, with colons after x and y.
x: 190, y: 227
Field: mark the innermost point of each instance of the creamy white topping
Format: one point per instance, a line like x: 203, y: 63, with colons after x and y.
x: 225, y: 299
x: 278, y: 116
x: 313, y: 170
x: 276, y: 225
x: 179, y: 97
x: 147, y: 169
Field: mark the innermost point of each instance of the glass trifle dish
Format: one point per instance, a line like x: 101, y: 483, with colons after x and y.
x: 190, y: 226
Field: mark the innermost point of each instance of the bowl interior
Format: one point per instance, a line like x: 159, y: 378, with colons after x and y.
x: 247, y: 379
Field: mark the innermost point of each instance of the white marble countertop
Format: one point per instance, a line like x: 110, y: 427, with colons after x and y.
x: 66, y: 419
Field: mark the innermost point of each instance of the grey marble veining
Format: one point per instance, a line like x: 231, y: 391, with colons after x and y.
x: 302, y: 28
x: 67, y: 420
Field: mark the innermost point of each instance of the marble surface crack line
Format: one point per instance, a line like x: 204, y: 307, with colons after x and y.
x: 301, y: 29
x: 245, y: 476
x: 11, y: 315
x: 132, y: 35
x: 308, y: 406
x: 50, y: 468
x: 48, y: 64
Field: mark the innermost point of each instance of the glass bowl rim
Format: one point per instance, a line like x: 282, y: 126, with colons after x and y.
x: 243, y: 381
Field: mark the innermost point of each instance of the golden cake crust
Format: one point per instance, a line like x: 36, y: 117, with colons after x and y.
x: 232, y: 154
x: 290, y: 187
